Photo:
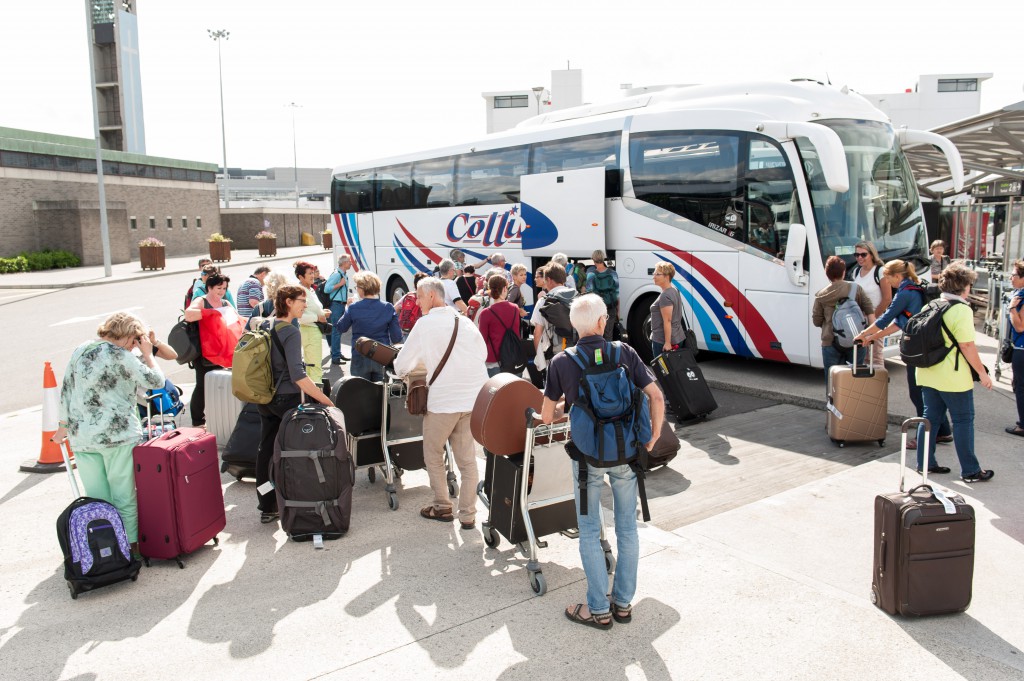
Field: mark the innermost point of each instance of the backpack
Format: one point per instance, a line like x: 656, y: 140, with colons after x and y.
x: 606, y: 287
x: 848, y: 319
x: 555, y: 311
x: 252, y: 375
x: 610, y: 419
x: 922, y: 343
x: 480, y: 301
x: 579, y: 275
x: 321, y: 294
x: 95, y: 546
x: 409, y: 312
x: 511, y: 358
x: 878, y: 270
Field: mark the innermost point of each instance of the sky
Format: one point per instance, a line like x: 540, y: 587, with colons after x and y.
x: 387, y: 77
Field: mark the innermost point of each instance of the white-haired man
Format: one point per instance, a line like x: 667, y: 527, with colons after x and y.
x: 337, y: 290
x: 446, y: 272
x: 495, y: 264
x: 589, y: 317
x: 461, y: 356
x: 563, y: 260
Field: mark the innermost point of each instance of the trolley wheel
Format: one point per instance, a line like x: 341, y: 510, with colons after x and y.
x: 393, y: 501
x: 371, y: 475
x: 491, y: 537
x: 238, y: 478
x: 609, y: 562
x: 997, y: 373
x: 453, y: 489
x: 73, y: 590
x: 538, y: 583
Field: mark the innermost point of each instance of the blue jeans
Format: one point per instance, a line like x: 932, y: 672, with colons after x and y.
x: 1018, y: 384
x: 365, y: 367
x: 832, y: 356
x: 961, y: 409
x: 624, y: 495
x: 918, y: 400
x: 337, y: 311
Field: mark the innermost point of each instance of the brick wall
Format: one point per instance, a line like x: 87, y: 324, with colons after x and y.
x: 242, y: 224
x: 32, y: 216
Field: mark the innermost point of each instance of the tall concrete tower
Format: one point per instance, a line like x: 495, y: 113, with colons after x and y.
x: 115, y: 45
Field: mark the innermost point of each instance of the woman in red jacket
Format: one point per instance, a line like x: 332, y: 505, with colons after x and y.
x: 494, y: 320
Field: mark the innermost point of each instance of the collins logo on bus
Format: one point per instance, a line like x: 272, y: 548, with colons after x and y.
x: 498, y: 229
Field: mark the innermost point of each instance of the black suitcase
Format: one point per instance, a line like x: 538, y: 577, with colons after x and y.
x: 312, y: 473
x: 923, y: 547
x: 681, y: 379
x: 506, y: 514
x: 239, y: 456
x: 360, y: 401
x: 665, y: 449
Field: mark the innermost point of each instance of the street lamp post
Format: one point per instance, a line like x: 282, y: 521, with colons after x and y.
x: 218, y: 36
x: 537, y: 92
x: 295, y: 154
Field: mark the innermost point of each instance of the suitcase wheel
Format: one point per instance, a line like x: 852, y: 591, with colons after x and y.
x: 371, y: 475
x: 73, y: 590
x: 393, y: 501
x: 135, y: 577
x: 491, y: 536
x: 881, y: 443
x: 216, y: 540
x: 538, y: 583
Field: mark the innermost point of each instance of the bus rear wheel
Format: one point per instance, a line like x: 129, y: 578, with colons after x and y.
x: 639, y: 327
x: 397, y: 290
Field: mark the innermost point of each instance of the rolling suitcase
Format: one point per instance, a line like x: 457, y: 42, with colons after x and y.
x: 923, y: 546
x: 239, y: 456
x: 93, y: 540
x: 222, y: 407
x: 312, y: 474
x: 683, y: 383
x: 858, y: 402
x: 181, y: 503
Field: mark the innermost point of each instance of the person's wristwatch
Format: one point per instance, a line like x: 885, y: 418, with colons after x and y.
x: 156, y: 344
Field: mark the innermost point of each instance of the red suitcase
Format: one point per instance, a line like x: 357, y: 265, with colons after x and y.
x: 181, y: 503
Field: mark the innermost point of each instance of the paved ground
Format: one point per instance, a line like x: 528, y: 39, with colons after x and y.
x: 756, y: 565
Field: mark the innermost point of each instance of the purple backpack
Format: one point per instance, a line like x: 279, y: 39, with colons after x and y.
x: 95, y: 546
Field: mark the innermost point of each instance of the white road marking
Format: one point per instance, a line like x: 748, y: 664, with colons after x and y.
x: 95, y: 317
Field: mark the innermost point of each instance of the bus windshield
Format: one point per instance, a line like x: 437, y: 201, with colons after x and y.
x: 882, y: 204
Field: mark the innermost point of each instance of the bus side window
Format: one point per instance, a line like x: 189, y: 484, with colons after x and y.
x: 771, y: 197
x: 432, y: 182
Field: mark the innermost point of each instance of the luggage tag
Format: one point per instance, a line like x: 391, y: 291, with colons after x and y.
x: 318, y: 541
x: 266, y: 488
x: 597, y: 357
x: 946, y: 502
x: 832, y: 408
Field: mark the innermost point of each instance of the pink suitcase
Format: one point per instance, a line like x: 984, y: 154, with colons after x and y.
x: 181, y: 503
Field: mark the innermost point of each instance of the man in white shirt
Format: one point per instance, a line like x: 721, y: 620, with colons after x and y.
x: 446, y: 271
x: 451, y: 396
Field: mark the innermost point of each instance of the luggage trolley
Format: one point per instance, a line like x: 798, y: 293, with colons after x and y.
x: 393, y: 442
x: 545, y: 491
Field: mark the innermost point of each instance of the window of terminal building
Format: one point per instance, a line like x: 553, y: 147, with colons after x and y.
x: 184, y: 222
x: 958, y: 84
x: 152, y: 222
x: 133, y: 223
x: 170, y: 222
x: 199, y: 222
x: 512, y: 102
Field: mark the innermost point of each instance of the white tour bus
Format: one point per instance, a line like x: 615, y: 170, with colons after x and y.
x: 745, y: 189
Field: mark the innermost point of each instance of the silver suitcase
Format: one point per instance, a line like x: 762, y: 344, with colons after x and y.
x: 222, y: 407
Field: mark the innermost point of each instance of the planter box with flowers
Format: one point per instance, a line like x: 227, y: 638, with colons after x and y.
x: 152, y: 254
x: 327, y: 238
x: 267, y: 243
x: 220, y: 247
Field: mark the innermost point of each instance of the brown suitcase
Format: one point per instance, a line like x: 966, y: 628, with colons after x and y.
x: 498, y: 421
x: 381, y: 353
x: 858, y: 403
x: 923, y: 547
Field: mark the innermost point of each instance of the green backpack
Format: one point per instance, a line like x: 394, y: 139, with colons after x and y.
x: 252, y: 375
x: 606, y: 287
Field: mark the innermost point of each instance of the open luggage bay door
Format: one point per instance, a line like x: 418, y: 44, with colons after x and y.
x: 563, y: 212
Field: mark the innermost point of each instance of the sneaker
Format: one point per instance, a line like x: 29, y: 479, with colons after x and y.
x: 937, y: 470
x: 980, y: 476
x: 335, y: 362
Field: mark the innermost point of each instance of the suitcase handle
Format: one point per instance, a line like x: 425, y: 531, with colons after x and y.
x: 915, y: 421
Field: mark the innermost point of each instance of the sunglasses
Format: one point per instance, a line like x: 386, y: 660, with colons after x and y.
x: 860, y: 255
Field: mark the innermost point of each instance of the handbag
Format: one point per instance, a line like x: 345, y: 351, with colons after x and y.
x: 416, y: 399
x: 1006, y: 351
x: 184, y: 338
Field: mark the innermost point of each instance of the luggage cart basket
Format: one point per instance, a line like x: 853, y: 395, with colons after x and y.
x: 542, y: 497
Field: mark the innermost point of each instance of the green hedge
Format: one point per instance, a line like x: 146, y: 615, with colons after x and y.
x: 31, y: 261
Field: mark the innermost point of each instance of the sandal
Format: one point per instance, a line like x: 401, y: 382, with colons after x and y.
x: 602, y: 621
x: 431, y: 513
x: 1015, y: 430
x: 269, y: 517
x: 622, y: 615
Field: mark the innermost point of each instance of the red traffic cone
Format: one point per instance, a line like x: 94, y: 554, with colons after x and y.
x: 50, y: 459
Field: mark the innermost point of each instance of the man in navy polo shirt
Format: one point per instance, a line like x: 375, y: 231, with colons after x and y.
x: 589, y: 316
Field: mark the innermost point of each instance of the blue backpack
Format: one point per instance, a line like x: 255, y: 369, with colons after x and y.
x: 610, y: 419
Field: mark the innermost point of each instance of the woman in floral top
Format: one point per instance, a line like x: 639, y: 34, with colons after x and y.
x: 98, y: 413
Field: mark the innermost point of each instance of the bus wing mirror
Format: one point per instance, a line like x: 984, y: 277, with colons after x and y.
x: 796, y: 246
x: 829, y: 146
x: 956, y: 165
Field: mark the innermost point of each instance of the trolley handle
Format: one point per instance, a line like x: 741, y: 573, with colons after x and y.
x: 531, y: 415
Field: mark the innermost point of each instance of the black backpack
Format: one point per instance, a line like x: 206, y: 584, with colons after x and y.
x: 923, y: 344
x: 555, y: 311
x: 511, y: 358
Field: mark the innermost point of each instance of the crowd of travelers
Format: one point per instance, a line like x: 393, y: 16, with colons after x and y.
x: 474, y: 321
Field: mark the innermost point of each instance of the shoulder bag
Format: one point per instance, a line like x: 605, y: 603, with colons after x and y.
x: 416, y: 400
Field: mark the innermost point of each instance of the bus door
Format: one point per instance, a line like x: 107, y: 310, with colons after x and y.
x: 563, y: 212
